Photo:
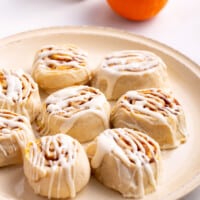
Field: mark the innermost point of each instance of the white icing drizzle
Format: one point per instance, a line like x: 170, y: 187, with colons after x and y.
x: 130, y: 150
x: 72, y: 103
x: 141, y: 106
x: 156, y: 103
x: 52, y: 57
x: 16, y: 88
x: 55, y: 154
x: 131, y: 61
x: 15, y: 81
x: 2, y: 150
x: 53, y: 169
x: 134, y: 63
x: 60, y: 171
x: 14, y: 125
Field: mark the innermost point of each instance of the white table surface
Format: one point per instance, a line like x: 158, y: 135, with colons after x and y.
x: 178, y: 25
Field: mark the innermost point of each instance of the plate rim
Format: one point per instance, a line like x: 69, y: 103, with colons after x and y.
x: 100, y: 29
x: 191, y: 65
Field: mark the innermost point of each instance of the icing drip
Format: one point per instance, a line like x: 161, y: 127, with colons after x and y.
x: 51, y: 181
x: 3, y: 151
x: 56, y: 154
x: 133, y: 152
x: 73, y: 102
x: 14, y: 88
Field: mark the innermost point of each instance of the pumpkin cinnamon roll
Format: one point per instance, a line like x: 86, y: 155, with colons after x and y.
x: 80, y: 111
x: 126, y: 70
x: 15, y: 133
x: 59, y: 67
x: 153, y: 111
x: 56, y: 166
x: 125, y: 160
x: 19, y: 93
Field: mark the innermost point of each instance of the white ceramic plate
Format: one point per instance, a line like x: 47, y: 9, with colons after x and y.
x: 181, y: 167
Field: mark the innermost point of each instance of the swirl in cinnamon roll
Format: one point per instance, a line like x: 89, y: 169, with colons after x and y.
x: 80, y: 111
x: 19, y: 93
x: 125, y: 160
x: 15, y: 133
x: 153, y: 111
x: 56, y: 166
x: 59, y: 67
x: 126, y: 70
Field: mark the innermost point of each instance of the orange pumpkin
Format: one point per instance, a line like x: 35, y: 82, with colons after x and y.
x: 137, y: 9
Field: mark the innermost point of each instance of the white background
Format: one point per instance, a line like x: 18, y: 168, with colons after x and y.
x: 178, y: 25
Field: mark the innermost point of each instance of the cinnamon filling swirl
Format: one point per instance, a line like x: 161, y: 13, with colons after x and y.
x: 19, y: 93
x: 51, y: 166
x: 55, y: 151
x: 67, y: 105
x: 131, y: 147
x: 10, y: 122
x: 54, y: 58
x: 134, y: 158
x: 153, y: 111
x: 131, y: 143
x: 75, y: 110
x: 154, y: 100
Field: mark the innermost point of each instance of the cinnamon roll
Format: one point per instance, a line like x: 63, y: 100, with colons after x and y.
x: 153, y: 111
x: 59, y: 67
x: 15, y: 133
x: 19, y: 93
x: 80, y: 111
x: 126, y: 70
x: 56, y: 166
x: 125, y: 160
